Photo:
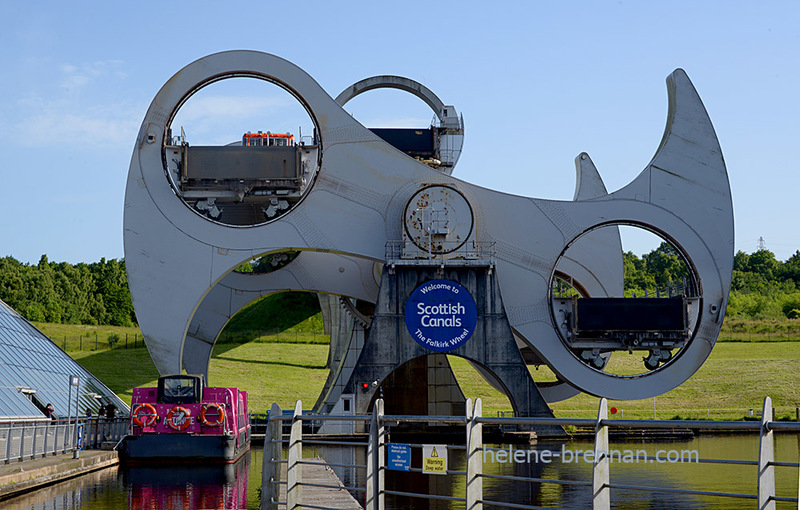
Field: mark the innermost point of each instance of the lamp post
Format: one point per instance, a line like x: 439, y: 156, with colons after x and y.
x: 74, y: 380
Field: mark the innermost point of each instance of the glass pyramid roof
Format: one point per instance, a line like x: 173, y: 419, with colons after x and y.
x: 34, y: 371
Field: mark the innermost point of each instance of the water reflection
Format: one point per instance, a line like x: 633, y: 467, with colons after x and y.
x: 237, y: 485
x: 101, y: 489
x: 181, y: 487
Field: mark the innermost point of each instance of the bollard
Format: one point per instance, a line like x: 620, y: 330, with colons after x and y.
x: 766, y: 459
x: 474, y: 455
x: 270, y: 471
x: 601, y: 494
x: 293, y: 468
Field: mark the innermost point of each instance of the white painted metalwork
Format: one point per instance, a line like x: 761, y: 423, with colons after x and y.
x: 294, y: 491
x: 766, y: 458
x: 474, y: 455
x: 597, y: 265
x: 601, y: 467
x: 600, y: 485
x: 354, y: 206
x: 450, y: 129
x: 25, y: 440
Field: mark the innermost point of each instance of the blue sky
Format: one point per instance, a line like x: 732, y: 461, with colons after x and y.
x: 537, y: 83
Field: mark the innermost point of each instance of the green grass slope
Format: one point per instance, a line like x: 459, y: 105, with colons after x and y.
x: 279, y: 312
x: 274, y: 348
x: 735, y: 378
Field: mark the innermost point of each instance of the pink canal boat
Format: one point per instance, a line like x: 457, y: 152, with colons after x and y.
x: 181, y: 420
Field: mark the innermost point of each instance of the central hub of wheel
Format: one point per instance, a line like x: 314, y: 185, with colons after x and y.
x: 438, y: 219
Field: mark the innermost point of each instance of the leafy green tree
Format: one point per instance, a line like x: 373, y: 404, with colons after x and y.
x: 741, y: 261
x: 655, y: 271
x: 637, y: 279
x: 111, y: 281
x: 791, y: 268
x: 791, y: 306
x: 65, y: 293
x: 665, y: 265
x: 97, y: 293
x: 763, y: 262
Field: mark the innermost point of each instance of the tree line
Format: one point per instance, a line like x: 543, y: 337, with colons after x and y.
x: 97, y: 293
x: 62, y: 293
x: 762, y: 286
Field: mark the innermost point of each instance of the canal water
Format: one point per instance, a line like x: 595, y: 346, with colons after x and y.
x: 237, y: 486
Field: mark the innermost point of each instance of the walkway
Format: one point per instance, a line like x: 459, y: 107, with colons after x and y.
x: 19, y: 477
x: 316, y: 472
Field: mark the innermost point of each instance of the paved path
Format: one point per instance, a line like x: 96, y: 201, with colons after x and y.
x: 19, y: 477
x: 321, y: 496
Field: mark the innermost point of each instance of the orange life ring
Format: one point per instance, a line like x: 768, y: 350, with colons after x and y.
x: 212, y: 421
x: 144, y: 415
x: 179, y: 418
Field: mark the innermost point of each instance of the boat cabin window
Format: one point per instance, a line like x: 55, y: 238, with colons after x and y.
x: 180, y: 390
x: 268, y: 140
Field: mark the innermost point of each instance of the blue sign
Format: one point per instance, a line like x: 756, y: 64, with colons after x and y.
x: 398, y: 456
x: 441, y: 315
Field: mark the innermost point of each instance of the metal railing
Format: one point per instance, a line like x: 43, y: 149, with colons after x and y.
x: 473, y: 497
x: 98, y: 430
x: 31, y: 439
x: 405, y: 251
x: 271, y: 483
x: 26, y: 440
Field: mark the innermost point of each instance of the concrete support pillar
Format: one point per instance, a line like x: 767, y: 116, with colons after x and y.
x: 347, y: 340
x: 390, y: 346
x: 331, y: 315
x: 445, y: 397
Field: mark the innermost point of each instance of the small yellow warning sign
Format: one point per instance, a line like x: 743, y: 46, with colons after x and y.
x: 434, y: 459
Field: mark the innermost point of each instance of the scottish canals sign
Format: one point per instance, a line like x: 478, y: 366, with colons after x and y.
x: 441, y: 315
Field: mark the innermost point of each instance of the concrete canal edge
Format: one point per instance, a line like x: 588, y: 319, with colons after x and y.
x: 20, y: 477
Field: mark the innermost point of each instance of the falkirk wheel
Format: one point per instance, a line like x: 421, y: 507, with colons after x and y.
x: 352, y: 215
